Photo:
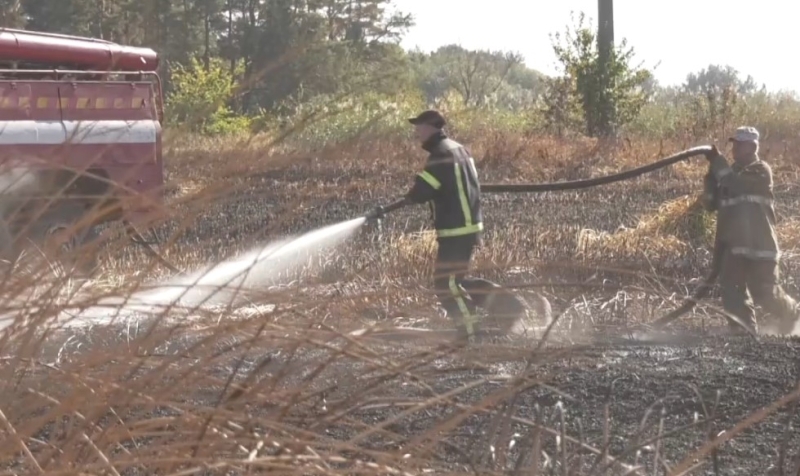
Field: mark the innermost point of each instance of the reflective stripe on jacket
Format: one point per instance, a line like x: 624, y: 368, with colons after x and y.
x: 450, y: 181
x: 743, y: 198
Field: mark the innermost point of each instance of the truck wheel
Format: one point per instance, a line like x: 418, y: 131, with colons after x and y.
x: 64, y: 244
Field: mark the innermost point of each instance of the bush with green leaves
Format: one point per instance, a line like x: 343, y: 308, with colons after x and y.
x: 201, y: 97
x: 600, y: 94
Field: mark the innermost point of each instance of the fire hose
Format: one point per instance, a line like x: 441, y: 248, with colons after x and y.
x: 716, y: 264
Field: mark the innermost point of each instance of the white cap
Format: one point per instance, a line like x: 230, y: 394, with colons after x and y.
x: 746, y: 134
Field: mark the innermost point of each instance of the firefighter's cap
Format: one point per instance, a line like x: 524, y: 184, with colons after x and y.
x: 745, y: 134
x: 431, y: 117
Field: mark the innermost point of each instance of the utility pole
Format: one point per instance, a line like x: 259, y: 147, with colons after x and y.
x: 605, y: 28
x: 605, y: 45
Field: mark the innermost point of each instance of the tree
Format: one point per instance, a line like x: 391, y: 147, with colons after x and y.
x: 716, y: 78
x: 610, y: 95
x: 309, y: 47
x: 480, y: 77
x: 364, y: 21
x: 714, y: 93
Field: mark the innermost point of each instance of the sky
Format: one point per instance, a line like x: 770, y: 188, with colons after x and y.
x: 677, y: 37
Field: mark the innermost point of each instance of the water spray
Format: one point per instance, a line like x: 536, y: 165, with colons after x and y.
x: 224, y: 283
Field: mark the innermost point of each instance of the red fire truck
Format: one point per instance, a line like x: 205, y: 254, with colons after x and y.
x: 85, y: 115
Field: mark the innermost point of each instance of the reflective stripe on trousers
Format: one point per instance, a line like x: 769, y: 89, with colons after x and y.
x: 755, y: 254
x: 469, y: 319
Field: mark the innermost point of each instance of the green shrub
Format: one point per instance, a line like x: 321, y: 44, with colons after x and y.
x: 200, y: 99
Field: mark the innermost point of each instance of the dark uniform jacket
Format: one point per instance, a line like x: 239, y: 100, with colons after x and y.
x: 743, y: 199
x: 450, y: 182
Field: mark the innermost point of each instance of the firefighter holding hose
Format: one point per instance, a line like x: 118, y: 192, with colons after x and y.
x: 449, y: 183
x: 742, y: 196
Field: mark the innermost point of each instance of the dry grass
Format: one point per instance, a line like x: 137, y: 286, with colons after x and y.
x: 676, y: 229
x: 286, y: 390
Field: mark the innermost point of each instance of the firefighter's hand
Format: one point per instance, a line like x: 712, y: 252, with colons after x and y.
x: 717, y: 164
x: 716, y: 161
x: 376, y: 214
x: 713, y: 153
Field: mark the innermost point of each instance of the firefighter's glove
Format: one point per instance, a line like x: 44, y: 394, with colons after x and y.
x: 716, y: 162
x: 713, y: 154
x: 377, y: 214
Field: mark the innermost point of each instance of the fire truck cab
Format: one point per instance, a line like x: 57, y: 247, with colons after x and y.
x: 85, y: 115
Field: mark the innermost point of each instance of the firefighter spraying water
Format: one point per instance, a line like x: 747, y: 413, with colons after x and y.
x: 449, y: 183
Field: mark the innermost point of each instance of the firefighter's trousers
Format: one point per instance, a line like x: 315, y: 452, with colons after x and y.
x: 743, y: 278
x: 451, y: 282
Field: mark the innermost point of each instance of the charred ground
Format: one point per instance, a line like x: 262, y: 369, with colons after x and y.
x: 199, y: 396
x: 313, y: 397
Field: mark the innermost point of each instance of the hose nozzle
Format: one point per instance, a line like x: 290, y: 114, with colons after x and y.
x: 377, y: 213
x: 380, y: 211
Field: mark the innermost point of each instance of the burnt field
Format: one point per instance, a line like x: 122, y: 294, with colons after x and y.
x: 301, y: 388
x: 272, y: 398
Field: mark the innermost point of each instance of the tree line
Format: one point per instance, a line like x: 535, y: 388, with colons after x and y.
x: 223, y: 60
